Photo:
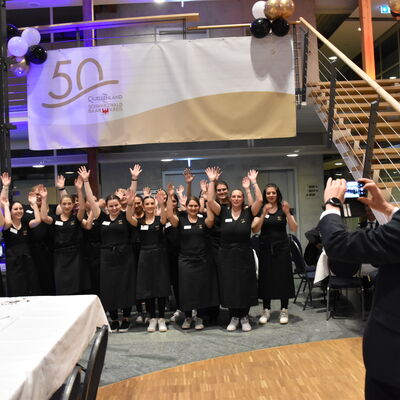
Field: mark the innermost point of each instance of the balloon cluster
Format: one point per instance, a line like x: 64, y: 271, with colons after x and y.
x: 395, y: 7
x: 271, y: 15
x: 24, y: 49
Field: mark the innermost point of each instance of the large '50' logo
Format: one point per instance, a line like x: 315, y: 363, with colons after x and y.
x: 63, y: 75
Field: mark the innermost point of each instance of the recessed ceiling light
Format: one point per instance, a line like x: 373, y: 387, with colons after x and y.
x: 338, y: 174
x: 38, y: 166
x: 338, y: 163
x: 292, y: 155
x: 359, y: 29
x: 69, y: 172
x: 332, y: 58
x: 167, y: 159
x: 296, y: 151
x: 392, y: 77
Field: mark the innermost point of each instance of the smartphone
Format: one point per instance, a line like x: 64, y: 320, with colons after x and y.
x: 354, y: 190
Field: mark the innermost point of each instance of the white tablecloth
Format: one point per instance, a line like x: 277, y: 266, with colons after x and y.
x: 322, y: 270
x: 41, y: 340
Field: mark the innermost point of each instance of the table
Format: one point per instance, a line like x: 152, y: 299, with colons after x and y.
x: 322, y: 270
x: 41, y: 340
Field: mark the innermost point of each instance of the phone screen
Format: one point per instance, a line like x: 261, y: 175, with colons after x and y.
x: 354, y: 190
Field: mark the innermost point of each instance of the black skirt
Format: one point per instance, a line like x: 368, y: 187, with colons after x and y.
x: 153, y: 277
x: 68, y: 271
x: 117, y: 277
x: 275, y: 274
x: 22, y: 279
x: 197, y: 282
x: 237, y: 276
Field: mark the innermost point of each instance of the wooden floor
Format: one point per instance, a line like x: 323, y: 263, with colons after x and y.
x: 331, y: 369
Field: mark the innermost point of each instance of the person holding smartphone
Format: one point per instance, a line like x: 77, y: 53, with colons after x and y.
x: 381, y: 342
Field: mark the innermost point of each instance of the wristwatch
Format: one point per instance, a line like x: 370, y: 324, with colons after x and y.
x: 334, y: 201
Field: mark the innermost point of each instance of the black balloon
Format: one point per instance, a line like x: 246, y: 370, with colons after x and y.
x: 12, y: 31
x: 36, y: 54
x: 260, y: 27
x: 280, y: 27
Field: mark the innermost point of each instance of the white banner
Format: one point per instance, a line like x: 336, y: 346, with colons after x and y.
x: 178, y: 91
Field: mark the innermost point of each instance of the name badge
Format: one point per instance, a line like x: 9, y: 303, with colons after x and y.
x: 200, y: 215
x: 60, y: 223
x: 187, y: 227
x: 267, y: 216
x: 13, y: 230
x: 168, y: 224
x: 106, y: 223
x: 144, y: 227
x: 228, y: 219
x: 29, y: 211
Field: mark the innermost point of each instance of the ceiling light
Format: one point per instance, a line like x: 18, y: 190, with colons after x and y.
x: 338, y: 174
x: 392, y: 77
x: 38, y: 166
x: 159, y: 1
x: 338, y: 163
x: 359, y: 29
x: 296, y: 151
x: 332, y: 58
x: 292, y: 155
x: 167, y: 159
x: 69, y: 172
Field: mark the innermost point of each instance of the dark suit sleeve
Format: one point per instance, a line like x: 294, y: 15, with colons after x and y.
x: 376, y: 246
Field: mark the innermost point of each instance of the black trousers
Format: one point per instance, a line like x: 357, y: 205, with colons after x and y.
x: 377, y: 390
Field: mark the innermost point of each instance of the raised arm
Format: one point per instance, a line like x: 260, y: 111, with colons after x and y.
x: 129, y: 213
x: 163, y: 212
x: 187, y: 173
x: 7, y: 215
x: 203, y: 195
x: 256, y: 206
x: 81, y: 200
x: 172, y: 217
x: 246, y: 187
x: 212, y: 174
x: 6, y: 181
x: 210, y: 215
x: 33, y: 223
x: 87, y: 223
x: 44, y: 213
x: 60, y: 185
x: 289, y: 217
x: 135, y: 172
x: 84, y: 174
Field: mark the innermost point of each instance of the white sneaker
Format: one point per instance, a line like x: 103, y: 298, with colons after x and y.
x: 265, y: 316
x: 178, y: 314
x: 152, y: 325
x: 246, y: 327
x: 162, y: 326
x: 139, y: 319
x: 284, y: 317
x: 198, y: 324
x: 233, y: 324
x: 187, y: 322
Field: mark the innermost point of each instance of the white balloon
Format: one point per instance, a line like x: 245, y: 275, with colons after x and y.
x: 17, y: 46
x: 31, y: 36
x: 258, y: 9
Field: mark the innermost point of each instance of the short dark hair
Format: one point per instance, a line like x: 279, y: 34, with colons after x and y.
x: 112, y: 197
x: 194, y: 198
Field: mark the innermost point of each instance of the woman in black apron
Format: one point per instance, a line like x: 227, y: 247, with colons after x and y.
x: 117, y: 261
x: 236, y: 269
x: 21, y: 274
x: 69, y: 272
x: 275, y: 275
x: 198, y: 287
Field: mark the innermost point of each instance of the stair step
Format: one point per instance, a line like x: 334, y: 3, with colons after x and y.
x: 387, y: 167
x: 389, y: 185
x: 389, y: 152
x: 382, y: 126
x: 359, y: 82
x: 352, y: 99
x: 357, y: 106
x: 356, y: 90
x: 355, y: 116
x: 392, y: 138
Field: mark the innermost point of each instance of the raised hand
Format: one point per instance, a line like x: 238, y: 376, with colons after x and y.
x: 146, y: 191
x: 183, y: 200
x: 188, y: 175
x: 83, y: 173
x: 285, y: 207
x: 267, y: 207
x: 78, y: 183
x: 60, y: 182
x: 160, y: 196
x: 171, y: 189
x: 135, y: 171
x: 180, y: 190
x: 246, y: 182
x: 42, y: 191
x: 252, y: 175
x: 213, y: 173
x: 32, y: 198
x: 5, y: 179
x: 203, y: 186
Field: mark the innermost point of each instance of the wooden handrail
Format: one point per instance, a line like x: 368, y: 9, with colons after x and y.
x: 114, y: 23
x: 379, y: 90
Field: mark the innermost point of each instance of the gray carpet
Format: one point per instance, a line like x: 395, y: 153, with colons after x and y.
x: 138, y: 352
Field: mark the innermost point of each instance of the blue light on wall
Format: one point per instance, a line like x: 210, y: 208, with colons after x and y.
x: 385, y: 9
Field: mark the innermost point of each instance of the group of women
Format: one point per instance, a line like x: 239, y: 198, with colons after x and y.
x: 130, y: 249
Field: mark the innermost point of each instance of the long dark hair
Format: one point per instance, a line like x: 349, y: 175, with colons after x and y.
x: 278, y: 195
